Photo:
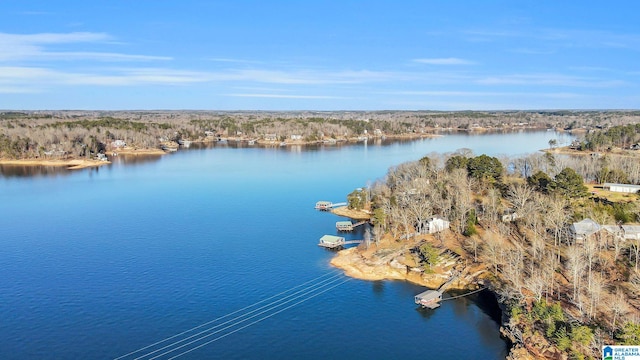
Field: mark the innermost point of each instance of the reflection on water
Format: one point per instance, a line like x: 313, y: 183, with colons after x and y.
x: 38, y: 171
x: 135, y: 159
x: 377, y: 287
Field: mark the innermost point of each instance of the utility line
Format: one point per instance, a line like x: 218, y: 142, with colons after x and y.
x: 227, y: 315
x: 259, y: 320
x: 304, y: 293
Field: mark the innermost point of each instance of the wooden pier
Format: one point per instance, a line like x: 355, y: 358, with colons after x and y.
x: 333, y: 242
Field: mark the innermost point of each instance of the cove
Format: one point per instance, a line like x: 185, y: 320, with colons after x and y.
x: 100, y: 262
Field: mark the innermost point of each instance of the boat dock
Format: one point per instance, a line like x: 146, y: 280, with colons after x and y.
x: 431, y: 298
x: 333, y: 242
x: 348, y: 225
x: 328, y: 205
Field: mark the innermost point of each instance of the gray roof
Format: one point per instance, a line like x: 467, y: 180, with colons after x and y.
x: 631, y: 229
x: 429, y: 295
x: 612, y: 228
x: 585, y: 227
x: 331, y: 239
x: 621, y: 185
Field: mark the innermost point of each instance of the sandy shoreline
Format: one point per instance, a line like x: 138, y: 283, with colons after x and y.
x: 71, y: 164
x: 352, y: 214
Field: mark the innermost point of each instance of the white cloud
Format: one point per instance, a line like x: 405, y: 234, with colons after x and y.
x: 444, y: 61
x: 34, y: 47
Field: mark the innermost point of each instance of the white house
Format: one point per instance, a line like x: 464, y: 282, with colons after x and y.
x: 270, y: 137
x: 119, y: 143
x: 510, y: 216
x: 623, y: 188
x: 296, y: 137
x: 433, y: 225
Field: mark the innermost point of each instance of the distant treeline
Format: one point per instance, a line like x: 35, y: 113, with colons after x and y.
x: 34, y: 134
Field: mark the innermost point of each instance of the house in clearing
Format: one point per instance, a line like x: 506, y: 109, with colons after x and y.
x: 623, y: 188
x: 509, y: 216
x: 582, y: 230
x: 433, y: 225
x: 118, y: 144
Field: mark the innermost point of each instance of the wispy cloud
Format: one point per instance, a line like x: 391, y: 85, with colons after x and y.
x: 53, y: 38
x: 549, y: 80
x: 37, y: 78
x: 34, y: 47
x: 301, y: 77
x: 556, y: 37
x: 448, y: 93
x: 444, y: 61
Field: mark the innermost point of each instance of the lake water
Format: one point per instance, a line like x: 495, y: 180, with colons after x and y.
x: 98, y: 263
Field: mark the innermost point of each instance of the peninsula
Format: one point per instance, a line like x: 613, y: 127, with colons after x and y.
x: 563, y: 261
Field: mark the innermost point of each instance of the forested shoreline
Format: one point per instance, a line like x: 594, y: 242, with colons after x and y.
x: 84, y: 134
x: 511, y: 222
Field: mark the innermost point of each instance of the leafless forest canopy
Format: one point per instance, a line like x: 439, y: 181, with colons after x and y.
x: 565, y: 296
x: 34, y: 134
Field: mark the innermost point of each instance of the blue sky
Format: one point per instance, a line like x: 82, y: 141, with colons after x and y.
x: 319, y: 55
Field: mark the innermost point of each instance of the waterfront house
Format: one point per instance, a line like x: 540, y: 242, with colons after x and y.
x: 296, y: 137
x: 582, y: 230
x: 270, y: 137
x: 623, y: 188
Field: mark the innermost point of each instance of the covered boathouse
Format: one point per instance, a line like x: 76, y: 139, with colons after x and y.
x: 331, y: 241
x: 324, y: 205
x: 429, y: 299
x: 344, y: 226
